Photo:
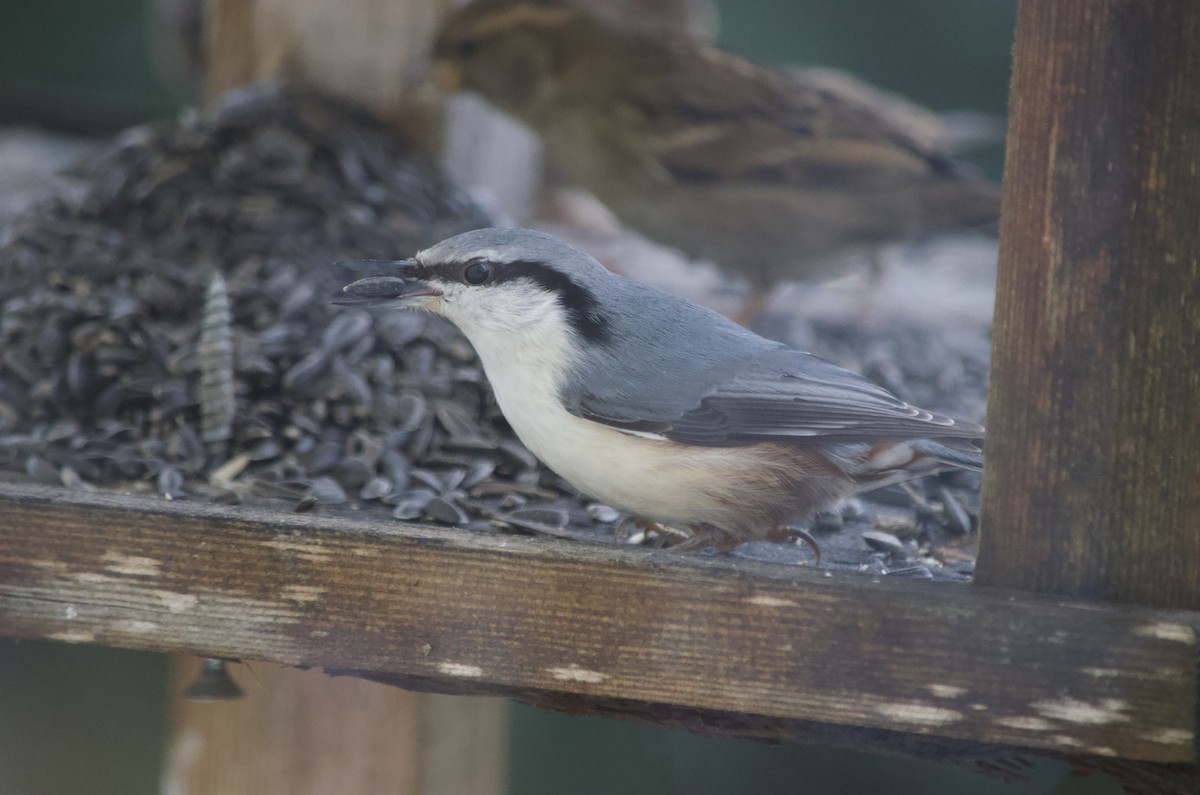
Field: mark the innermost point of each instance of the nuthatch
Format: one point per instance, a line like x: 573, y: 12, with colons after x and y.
x: 656, y: 405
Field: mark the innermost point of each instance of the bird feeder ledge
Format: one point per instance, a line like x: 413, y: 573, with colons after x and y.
x: 728, y: 645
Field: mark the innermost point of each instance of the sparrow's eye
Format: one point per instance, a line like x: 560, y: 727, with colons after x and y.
x: 477, y: 273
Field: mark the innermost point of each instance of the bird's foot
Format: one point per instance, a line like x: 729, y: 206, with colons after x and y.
x: 789, y: 535
x: 643, y: 529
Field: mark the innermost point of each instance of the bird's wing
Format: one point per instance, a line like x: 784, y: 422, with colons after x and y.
x: 711, y: 117
x: 784, y: 395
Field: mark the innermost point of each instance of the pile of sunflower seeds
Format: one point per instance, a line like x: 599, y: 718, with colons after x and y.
x: 166, y: 326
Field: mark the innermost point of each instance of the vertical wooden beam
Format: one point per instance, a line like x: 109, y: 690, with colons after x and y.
x: 227, y: 28
x: 305, y: 733
x: 300, y: 732
x: 1092, y: 485
x: 371, y: 51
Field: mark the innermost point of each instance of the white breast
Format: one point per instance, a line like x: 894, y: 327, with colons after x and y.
x: 651, y: 478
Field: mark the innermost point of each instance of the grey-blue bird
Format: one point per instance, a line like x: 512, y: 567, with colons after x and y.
x: 656, y: 405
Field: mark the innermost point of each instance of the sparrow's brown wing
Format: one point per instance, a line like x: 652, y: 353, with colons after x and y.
x: 707, y: 116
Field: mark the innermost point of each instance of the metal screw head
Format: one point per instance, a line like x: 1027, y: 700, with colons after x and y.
x: 213, y: 683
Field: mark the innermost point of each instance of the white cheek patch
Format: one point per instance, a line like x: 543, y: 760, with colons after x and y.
x: 511, y: 308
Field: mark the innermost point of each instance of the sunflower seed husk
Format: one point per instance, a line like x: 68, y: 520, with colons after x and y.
x: 443, y: 510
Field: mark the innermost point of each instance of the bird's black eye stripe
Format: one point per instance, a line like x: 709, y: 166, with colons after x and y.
x: 473, y: 272
x: 582, y: 308
x: 477, y: 273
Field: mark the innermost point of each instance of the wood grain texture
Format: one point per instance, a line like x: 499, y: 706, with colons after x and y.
x: 374, y: 52
x: 463, y: 612
x: 302, y: 732
x: 1092, y: 486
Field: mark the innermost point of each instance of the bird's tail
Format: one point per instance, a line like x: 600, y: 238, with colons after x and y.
x: 957, y: 453
x: 894, y: 462
x: 961, y: 202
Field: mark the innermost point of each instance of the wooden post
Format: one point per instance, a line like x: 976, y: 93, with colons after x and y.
x: 371, y: 51
x: 1092, y: 485
x: 298, y: 732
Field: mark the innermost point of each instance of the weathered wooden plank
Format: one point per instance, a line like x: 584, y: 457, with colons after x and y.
x: 1092, y: 487
x: 544, y: 616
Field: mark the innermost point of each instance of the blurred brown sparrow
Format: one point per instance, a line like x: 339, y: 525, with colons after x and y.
x: 765, y: 172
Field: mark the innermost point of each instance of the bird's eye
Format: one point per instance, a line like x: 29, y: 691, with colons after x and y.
x: 477, y: 273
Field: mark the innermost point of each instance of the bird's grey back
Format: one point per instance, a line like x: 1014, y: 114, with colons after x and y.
x: 664, y: 360
x: 661, y: 354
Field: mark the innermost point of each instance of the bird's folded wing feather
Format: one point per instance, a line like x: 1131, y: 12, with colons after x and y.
x: 786, y: 396
x: 724, y: 119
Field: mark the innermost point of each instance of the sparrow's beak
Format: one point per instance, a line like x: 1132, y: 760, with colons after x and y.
x: 399, y: 287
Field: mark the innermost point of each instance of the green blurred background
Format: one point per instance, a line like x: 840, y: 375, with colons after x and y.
x: 91, y: 720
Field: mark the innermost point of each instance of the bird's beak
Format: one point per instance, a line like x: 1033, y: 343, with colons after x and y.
x: 393, y: 285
